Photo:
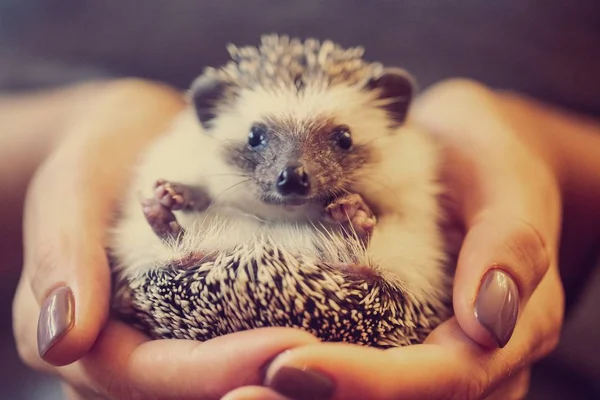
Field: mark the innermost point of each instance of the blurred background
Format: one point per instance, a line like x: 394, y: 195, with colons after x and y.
x: 548, y: 49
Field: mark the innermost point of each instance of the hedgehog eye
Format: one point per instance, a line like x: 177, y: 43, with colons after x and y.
x: 257, y: 135
x: 342, y: 137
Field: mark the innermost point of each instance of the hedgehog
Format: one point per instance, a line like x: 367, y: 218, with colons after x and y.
x: 292, y: 190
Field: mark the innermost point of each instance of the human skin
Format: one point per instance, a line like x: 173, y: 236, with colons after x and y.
x: 516, y: 169
x: 109, y: 360
x: 68, y: 207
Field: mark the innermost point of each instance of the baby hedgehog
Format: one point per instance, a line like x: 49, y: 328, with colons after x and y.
x: 292, y: 191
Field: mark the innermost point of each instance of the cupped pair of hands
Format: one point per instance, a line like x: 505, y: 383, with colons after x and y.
x: 503, y: 178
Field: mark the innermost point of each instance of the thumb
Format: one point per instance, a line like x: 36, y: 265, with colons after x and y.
x: 501, y: 263
x: 508, y: 198
x: 67, y: 271
x: 512, y: 219
x: 69, y: 208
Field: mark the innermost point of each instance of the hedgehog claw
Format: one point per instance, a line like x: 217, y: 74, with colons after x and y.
x: 169, y: 197
x: 177, y: 196
x: 161, y: 220
x: 172, y: 196
x: 352, y: 210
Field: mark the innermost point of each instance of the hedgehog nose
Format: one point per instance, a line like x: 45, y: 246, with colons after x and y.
x: 293, y: 180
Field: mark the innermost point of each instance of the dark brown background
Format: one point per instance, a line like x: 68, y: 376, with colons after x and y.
x: 547, y: 48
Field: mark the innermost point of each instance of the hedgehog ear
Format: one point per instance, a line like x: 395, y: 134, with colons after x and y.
x: 205, y: 94
x: 396, y: 88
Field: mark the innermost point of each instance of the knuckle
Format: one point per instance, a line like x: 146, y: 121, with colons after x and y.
x: 135, y: 89
x: 126, y: 391
x: 460, y: 91
x: 515, y: 387
x: 79, y: 391
x: 551, y: 343
x: 41, y: 265
x: 530, y: 251
x: 460, y: 87
x: 470, y: 389
x: 99, y: 382
x: 471, y: 386
x: 449, y: 107
x: 552, y: 333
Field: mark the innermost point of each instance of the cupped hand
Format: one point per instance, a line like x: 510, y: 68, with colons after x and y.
x: 504, y: 188
x: 61, y: 309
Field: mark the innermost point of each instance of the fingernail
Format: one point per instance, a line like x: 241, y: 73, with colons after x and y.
x: 56, y: 318
x: 301, y: 384
x: 265, y: 367
x: 497, y: 305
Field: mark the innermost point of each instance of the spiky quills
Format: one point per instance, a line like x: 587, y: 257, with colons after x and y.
x: 246, y: 289
x: 283, y: 61
x: 261, y: 284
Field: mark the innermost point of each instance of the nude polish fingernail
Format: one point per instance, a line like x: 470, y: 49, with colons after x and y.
x: 301, y: 384
x: 57, y: 317
x: 497, y: 305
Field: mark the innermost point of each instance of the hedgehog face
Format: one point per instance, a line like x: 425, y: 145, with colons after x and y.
x: 298, y: 161
x: 300, y: 120
x: 300, y: 150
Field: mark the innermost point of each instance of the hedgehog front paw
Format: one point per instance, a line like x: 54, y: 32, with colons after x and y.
x: 352, y: 209
x: 177, y: 196
x: 161, y: 219
x: 173, y: 196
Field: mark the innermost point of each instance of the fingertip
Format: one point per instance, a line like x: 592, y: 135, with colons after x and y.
x: 497, y: 305
x: 345, y: 371
x: 65, y: 333
x: 289, y: 377
x: 56, y: 320
x: 333, y: 370
x: 489, y: 318
x: 226, y: 362
x: 253, y: 393
x: 73, y: 314
x: 500, y: 265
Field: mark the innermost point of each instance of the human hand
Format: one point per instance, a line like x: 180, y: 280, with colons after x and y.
x: 505, y: 191
x: 65, y: 284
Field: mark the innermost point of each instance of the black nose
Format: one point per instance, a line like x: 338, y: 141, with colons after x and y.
x: 293, y: 180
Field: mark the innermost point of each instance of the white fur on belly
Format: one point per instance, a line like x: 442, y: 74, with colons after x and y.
x: 406, y: 246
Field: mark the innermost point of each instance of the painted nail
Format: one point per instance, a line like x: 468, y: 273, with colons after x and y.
x: 301, y: 384
x: 497, y: 305
x: 57, y: 317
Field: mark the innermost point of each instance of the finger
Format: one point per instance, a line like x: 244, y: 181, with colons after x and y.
x: 124, y: 362
x: 510, y: 209
x: 343, y: 371
x: 253, y: 393
x: 512, y: 236
x: 515, y: 387
x: 501, y: 262
x: 78, y: 384
x: 25, y: 310
x: 449, y: 365
x: 126, y: 365
x: 69, y: 277
x: 348, y: 372
x: 534, y: 337
x: 69, y: 208
x: 24, y: 324
x: 73, y: 393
